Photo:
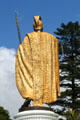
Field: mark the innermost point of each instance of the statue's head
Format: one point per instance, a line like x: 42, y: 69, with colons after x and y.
x: 37, y: 25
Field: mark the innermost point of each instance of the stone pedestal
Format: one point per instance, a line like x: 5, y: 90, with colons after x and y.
x: 37, y: 115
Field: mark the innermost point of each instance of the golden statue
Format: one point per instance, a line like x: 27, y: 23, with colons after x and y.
x: 37, y: 66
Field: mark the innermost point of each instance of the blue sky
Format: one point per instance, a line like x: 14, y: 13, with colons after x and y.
x: 53, y: 13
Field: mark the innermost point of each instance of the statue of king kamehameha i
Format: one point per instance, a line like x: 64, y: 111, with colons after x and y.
x: 37, y: 66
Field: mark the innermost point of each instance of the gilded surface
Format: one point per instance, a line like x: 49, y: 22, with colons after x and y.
x: 37, y: 68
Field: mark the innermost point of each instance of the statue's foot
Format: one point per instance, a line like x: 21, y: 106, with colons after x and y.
x: 25, y: 104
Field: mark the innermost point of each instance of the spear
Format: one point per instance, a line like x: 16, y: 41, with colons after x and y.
x: 18, y: 30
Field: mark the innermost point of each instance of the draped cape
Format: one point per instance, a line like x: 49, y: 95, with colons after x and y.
x: 37, y: 68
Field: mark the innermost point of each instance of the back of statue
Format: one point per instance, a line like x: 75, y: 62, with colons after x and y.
x: 37, y: 66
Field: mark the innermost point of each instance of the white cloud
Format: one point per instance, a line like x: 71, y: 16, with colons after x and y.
x: 10, y: 98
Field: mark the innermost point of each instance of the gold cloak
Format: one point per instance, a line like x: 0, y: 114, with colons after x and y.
x: 37, y: 68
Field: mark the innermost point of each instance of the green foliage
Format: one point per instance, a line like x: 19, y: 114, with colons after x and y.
x: 72, y: 115
x: 4, y: 115
x: 69, y: 37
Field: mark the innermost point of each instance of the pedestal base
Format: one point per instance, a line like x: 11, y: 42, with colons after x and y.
x: 37, y: 115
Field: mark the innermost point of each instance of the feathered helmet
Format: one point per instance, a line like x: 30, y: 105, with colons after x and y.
x: 37, y: 25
